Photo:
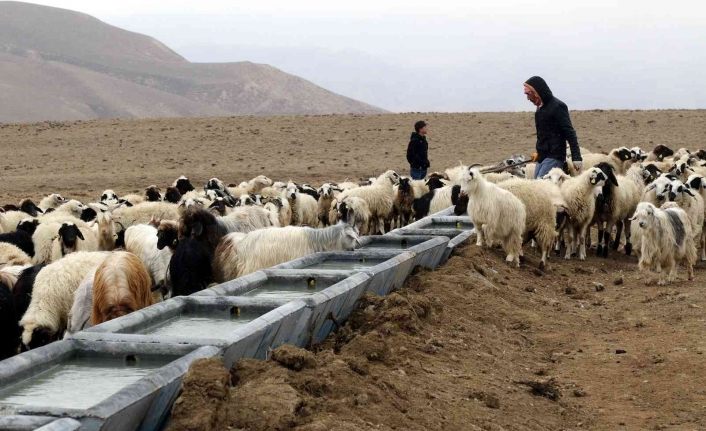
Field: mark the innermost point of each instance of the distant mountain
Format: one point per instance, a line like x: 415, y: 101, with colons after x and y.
x: 57, y: 64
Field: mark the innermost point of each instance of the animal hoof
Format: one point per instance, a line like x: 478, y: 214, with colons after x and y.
x: 542, y: 266
x: 599, y: 250
x: 604, y: 254
x: 628, y: 249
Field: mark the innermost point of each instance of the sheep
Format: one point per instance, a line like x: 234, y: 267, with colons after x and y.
x: 142, y: 213
x: 692, y: 203
x: 240, y: 254
x: 131, y: 199
x: 354, y: 211
x: 456, y: 174
x: 498, y: 177
x: 659, y: 153
x: 620, y: 197
x: 667, y: 240
x: 52, y: 297
x: 327, y: 193
x: 143, y: 241
x: 69, y: 210
x: 556, y: 176
x: 347, y: 185
x: 172, y: 195
x: 80, y: 314
x: 51, y: 201
x: 28, y: 207
x: 109, y: 197
x: 183, y: 184
x: 697, y: 183
x: 20, y: 238
x: 657, y: 191
x: 379, y: 196
x: 498, y: 215
x: 167, y: 234
x: 22, y: 290
x: 419, y: 188
x: 190, y: 267
x: 9, y: 331
x: 67, y: 241
x: 402, y: 205
x: 579, y: 193
x: 10, y: 219
x: 619, y: 158
x: 105, y: 234
x: 121, y: 285
x: 304, y: 208
x: 538, y: 198
x: 11, y: 255
x: 153, y: 193
x: 204, y: 226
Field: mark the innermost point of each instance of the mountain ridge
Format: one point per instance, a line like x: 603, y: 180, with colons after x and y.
x: 57, y: 64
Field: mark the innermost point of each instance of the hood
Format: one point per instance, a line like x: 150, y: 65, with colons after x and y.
x: 540, y: 85
x: 415, y: 134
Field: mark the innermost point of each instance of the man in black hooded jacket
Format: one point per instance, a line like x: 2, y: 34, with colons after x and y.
x: 417, y: 151
x: 554, y: 128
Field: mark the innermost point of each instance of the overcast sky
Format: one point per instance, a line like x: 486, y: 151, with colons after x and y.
x: 445, y: 55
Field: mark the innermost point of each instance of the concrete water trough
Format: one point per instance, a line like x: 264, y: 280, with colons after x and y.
x: 104, y: 385
x: 457, y: 228
x: 388, y: 269
x: 243, y: 327
x: 428, y: 250
x: 329, y: 295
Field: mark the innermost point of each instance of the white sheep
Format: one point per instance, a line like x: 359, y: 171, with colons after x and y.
x: 619, y: 202
x: 79, y: 317
x: 141, y: 240
x: 379, y: 196
x: 53, y: 295
x: 579, y: 193
x: 51, y: 201
x: 355, y: 211
x: 283, y: 209
x: 144, y: 212
x: 498, y: 215
x: 692, y: 203
x: 697, y: 183
x: 304, y: 208
x: 620, y: 158
x: 10, y: 219
x: 239, y: 254
x: 542, y: 201
x: 667, y: 240
x: 11, y: 255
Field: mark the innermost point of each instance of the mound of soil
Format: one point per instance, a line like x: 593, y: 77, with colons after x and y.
x: 478, y: 345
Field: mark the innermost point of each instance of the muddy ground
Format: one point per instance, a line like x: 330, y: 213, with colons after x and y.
x: 477, y: 345
x: 81, y: 159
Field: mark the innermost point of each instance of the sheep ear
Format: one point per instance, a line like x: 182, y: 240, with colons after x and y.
x: 611, y: 177
x: 689, y: 192
x: 79, y: 234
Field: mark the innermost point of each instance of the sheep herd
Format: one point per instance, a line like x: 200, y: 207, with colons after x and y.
x: 66, y: 265
x: 650, y: 202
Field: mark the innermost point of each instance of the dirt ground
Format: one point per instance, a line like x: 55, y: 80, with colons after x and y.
x: 456, y: 349
x: 81, y: 159
x: 478, y: 345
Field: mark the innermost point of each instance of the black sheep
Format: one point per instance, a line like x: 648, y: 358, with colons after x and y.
x: 203, y: 226
x: 172, y: 195
x: 184, y: 185
x: 22, y: 292
x: 9, y: 327
x: 21, y: 239
x: 190, y: 267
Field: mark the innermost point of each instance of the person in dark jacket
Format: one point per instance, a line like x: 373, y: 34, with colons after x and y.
x: 417, y: 151
x: 554, y: 128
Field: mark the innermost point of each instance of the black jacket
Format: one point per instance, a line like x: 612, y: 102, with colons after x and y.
x: 417, y: 151
x: 553, y: 125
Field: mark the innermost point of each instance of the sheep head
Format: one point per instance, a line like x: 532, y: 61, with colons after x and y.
x: 183, y: 184
x: 153, y: 193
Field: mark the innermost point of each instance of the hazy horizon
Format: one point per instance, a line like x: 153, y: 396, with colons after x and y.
x: 449, y: 56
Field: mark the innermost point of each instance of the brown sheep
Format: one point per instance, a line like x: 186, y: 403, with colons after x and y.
x: 121, y: 285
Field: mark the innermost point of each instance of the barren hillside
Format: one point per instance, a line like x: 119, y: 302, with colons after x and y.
x: 57, y: 64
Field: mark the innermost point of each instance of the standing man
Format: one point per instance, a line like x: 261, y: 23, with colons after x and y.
x: 417, y: 151
x: 554, y: 129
